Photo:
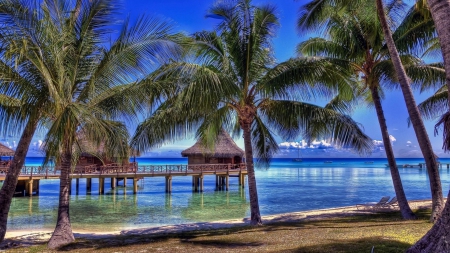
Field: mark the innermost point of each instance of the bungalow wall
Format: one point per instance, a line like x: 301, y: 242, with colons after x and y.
x: 199, y: 159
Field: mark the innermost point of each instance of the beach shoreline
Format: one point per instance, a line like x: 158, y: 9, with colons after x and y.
x: 27, y: 238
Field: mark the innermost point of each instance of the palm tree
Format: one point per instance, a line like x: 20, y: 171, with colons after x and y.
x: 232, y: 81
x: 59, y: 63
x: 415, y: 118
x: 359, y: 40
x: 440, y: 11
x: 318, y: 18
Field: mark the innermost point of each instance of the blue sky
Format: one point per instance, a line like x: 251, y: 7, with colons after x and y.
x: 190, y: 17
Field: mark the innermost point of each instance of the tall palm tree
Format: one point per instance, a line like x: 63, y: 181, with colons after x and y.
x: 359, y: 40
x: 439, y: 12
x: 317, y: 18
x: 415, y: 118
x: 232, y: 81
x: 59, y: 62
x: 436, y: 106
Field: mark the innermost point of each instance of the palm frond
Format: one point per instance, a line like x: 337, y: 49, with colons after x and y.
x: 292, y: 119
x: 434, y: 106
x: 307, y: 78
x: 264, y: 144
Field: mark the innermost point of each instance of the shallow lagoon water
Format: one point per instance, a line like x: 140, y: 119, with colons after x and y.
x: 286, y: 187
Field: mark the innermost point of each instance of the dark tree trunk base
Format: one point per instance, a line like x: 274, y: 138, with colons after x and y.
x: 62, y: 236
x: 63, y: 231
x: 438, y: 238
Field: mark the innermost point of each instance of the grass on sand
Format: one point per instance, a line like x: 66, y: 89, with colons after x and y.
x: 360, y: 233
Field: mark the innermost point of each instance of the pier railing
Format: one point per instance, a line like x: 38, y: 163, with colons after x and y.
x: 132, y: 168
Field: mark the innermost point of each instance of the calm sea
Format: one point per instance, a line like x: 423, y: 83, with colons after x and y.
x: 287, y: 186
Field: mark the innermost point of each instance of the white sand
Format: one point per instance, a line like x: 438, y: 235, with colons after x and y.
x: 32, y: 237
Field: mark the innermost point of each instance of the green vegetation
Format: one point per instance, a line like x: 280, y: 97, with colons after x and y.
x: 385, y: 232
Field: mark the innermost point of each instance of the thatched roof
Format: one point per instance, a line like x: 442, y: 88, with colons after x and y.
x: 225, y: 147
x: 90, y: 149
x: 5, y: 151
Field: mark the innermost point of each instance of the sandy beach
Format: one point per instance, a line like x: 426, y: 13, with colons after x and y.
x: 26, y: 238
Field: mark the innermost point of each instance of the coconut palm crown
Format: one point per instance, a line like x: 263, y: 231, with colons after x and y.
x: 67, y: 73
x: 231, y: 80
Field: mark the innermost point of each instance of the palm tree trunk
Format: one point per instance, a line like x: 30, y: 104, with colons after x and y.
x: 255, y: 217
x: 9, y: 185
x: 63, y: 231
x: 437, y: 238
x: 416, y: 120
x: 440, y: 11
x: 406, y: 211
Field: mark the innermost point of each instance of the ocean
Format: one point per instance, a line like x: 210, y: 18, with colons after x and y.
x: 286, y: 186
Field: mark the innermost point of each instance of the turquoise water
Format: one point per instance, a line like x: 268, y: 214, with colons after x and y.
x: 286, y: 187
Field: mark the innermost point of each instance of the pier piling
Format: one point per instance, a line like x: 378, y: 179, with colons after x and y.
x: 88, y: 184
x: 168, y: 184
x: 101, y: 185
x: 135, y: 185
x: 30, y: 187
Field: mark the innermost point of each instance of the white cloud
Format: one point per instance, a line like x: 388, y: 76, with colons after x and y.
x: 392, y: 138
x: 377, y: 143
x: 293, y: 145
x: 408, y: 143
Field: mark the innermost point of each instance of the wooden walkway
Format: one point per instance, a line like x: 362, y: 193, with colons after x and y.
x: 30, y: 175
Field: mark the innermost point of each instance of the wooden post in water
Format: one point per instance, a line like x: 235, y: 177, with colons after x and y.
x: 200, y: 178
x: 113, y: 183
x: 227, y: 179
x: 30, y: 187
x: 124, y: 182
x: 135, y: 185
x: 223, y: 182
x: 101, y: 185
x: 217, y: 181
x: 168, y: 184
x: 88, y: 184
x: 194, y: 183
x: 37, y: 188
x: 77, y: 185
x: 241, y: 179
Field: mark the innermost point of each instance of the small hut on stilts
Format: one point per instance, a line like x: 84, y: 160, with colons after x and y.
x: 225, y: 151
x: 5, y: 151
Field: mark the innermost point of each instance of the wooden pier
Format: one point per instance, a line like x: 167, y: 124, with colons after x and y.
x: 420, y: 165
x: 30, y: 176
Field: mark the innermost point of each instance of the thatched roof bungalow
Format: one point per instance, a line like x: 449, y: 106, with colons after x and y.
x: 225, y: 151
x: 96, y: 154
x: 5, y: 151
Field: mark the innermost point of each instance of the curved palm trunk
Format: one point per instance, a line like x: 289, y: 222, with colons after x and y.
x: 9, y: 185
x: 406, y: 211
x: 416, y: 120
x: 440, y: 11
x: 255, y: 216
x: 437, y: 238
x: 63, y: 231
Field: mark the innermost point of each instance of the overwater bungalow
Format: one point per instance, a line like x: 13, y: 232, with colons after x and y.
x: 225, y: 152
x: 5, y: 151
x: 94, y: 155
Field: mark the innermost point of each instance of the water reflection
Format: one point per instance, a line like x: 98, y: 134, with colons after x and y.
x: 117, y: 211
x: 216, y: 206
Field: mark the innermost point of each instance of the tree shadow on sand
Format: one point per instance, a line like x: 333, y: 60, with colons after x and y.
x: 378, y: 244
